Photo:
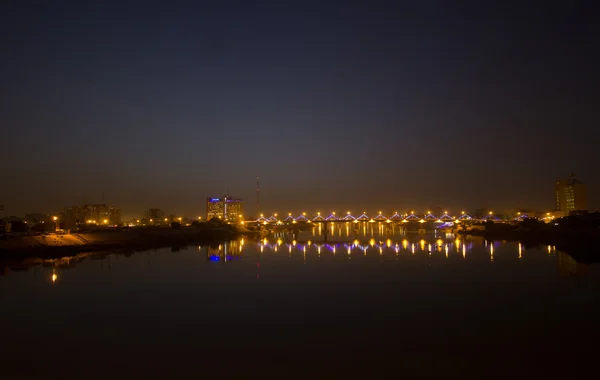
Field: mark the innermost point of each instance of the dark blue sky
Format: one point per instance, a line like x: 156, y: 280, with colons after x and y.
x: 365, y: 105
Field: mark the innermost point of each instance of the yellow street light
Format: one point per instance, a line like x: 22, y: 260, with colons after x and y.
x: 490, y: 213
x: 55, y: 218
x: 105, y: 221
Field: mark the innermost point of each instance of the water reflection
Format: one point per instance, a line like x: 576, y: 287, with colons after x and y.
x: 431, y: 247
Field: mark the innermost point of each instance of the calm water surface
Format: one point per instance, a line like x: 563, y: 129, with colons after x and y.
x: 408, y: 306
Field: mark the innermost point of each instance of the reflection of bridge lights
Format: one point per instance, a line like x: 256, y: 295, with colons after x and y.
x: 388, y: 242
x: 372, y: 242
x: 549, y: 249
x: 405, y: 244
x: 520, y: 251
x: 413, y: 248
x: 464, y: 251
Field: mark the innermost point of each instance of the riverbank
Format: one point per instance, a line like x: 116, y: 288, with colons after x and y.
x: 50, y: 246
x: 581, y: 244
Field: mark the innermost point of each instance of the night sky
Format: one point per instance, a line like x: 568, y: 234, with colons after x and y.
x: 360, y: 106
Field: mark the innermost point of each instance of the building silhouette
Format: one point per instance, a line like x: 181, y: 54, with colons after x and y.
x: 92, y: 213
x: 154, y: 213
x: 571, y: 195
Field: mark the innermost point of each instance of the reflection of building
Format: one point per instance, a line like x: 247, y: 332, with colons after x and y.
x: 227, y: 208
x: 228, y: 251
x: 571, y: 195
x: 568, y: 266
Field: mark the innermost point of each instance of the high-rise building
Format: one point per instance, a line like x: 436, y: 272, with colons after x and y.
x: 226, y: 208
x: 233, y: 209
x: 571, y: 195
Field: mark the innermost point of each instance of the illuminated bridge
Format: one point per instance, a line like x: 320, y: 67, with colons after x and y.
x: 380, y: 217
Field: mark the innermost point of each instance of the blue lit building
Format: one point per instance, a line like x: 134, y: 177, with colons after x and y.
x: 225, y: 208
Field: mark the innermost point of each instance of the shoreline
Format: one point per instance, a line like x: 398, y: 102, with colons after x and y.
x: 582, y: 245
x: 54, y: 246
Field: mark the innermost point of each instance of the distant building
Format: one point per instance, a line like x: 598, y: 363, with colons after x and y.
x: 34, y: 218
x: 92, y: 213
x: 226, y: 208
x: 571, y: 195
x: 155, y: 214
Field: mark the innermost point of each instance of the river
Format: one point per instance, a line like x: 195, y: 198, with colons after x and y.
x: 429, y: 305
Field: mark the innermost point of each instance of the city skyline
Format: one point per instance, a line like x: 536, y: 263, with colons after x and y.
x: 359, y: 106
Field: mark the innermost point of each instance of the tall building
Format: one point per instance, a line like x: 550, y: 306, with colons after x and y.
x: 226, y: 208
x: 571, y: 195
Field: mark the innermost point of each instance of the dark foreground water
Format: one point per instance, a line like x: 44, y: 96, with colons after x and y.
x: 391, y: 309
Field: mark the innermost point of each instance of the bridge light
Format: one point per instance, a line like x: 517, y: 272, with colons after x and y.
x: 490, y: 213
x: 462, y: 212
x: 446, y: 212
x: 348, y: 213
x: 333, y: 213
x: 289, y: 214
